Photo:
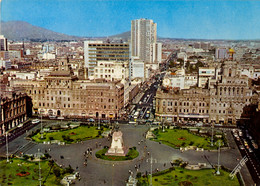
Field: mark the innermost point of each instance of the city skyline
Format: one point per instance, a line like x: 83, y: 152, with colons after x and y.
x: 175, y: 19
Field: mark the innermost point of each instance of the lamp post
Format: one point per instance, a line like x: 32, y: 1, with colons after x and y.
x: 151, y: 162
x: 212, y: 126
x: 219, y: 144
x: 41, y: 112
x: 6, y: 140
x: 40, y: 179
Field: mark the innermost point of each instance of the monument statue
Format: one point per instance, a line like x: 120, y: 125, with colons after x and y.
x: 117, y: 146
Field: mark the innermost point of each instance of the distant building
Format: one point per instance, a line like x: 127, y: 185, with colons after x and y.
x: 138, y: 69
x: 221, y: 53
x: 205, y: 73
x: 143, y: 36
x: 112, y: 70
x: 3, y: 43
x: 95, y: 51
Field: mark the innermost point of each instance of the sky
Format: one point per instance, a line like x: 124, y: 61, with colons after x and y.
x: 175, y: 18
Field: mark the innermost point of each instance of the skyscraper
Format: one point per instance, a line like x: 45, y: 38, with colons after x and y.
x: 143, y: 36
x: 3, y: 43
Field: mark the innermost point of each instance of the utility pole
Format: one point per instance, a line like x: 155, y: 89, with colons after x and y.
x: 151, y: 162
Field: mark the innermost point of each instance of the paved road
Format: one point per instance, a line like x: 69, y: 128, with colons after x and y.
x: 100, y: 172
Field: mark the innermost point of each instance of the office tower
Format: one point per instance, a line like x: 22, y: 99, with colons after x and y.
x: 3, y: 43
x: 143, y: 36
x: 95, y: 51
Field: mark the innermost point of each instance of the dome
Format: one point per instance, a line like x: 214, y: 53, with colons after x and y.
x: 231, y: 50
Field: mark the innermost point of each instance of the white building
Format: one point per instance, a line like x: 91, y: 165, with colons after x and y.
x: 5, y: 64
x: 95, y: 51
x: 156, y: 49
x: 205, y: 73
x: 112, y: 70
x: 179, y: 81
x: 138, y: 68
x: 143, y: 36
x: 3, y: 43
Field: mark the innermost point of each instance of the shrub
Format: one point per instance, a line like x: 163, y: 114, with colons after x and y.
x: 51, y: 138
x: 26, y: 157
x: 56, y: 172
x: 69, y: 170
x: 138, y: 175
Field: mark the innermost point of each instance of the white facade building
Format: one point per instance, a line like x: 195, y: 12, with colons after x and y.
x: 205, y: 73
x: 143, y: 36
x: 112, y: 70
x: 138, y: 68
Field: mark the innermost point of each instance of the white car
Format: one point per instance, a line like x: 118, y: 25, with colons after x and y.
x: 35, y: 121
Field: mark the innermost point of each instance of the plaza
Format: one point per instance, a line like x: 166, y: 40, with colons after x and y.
x: 102, y: 172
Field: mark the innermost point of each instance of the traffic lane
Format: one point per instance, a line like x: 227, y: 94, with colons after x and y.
x: 251, y: 166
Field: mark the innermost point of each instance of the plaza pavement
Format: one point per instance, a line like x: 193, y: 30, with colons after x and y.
x: 100, y: 172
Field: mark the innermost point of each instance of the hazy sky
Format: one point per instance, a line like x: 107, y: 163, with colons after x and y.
x: 176, y: 19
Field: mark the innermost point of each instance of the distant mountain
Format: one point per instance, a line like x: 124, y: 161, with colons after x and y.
x: 20, y: 30
x: 124, y: 36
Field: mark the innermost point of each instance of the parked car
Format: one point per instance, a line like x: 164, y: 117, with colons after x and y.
x: 91, y: 120
x: 35, y: 121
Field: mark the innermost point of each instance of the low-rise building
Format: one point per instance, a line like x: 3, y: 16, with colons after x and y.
x: 13, y: 110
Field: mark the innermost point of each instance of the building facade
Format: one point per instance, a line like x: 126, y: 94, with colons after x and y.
x: 13, y: 110
x: 63, y: 94
x: 222, y: 103
x: 3, y: 43
x: 95, y: 51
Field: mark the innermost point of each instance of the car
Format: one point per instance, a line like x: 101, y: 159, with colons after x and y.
x: 35, y: 121
x: 20, y: 125
x: 52, y: 117
x: 250, y: 150
x: 241, y: 147
x: 91, y: 120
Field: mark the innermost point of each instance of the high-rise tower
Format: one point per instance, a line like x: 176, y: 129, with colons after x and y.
x: 143, y: 36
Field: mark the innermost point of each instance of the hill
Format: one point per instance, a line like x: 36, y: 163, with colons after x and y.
x: 23, y: 31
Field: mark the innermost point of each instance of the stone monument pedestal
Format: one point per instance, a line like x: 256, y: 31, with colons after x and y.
x: 117, y: 146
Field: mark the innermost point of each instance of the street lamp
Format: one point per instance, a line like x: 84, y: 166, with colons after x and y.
x: 6, y: 140
x: 219, y: 144
x: 41, y: 112
x: 212, y: 126
x: 151, y: 162
x: 39, y: 156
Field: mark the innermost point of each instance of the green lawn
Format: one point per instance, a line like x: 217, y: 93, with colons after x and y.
x: 71, y: 135
x: 182, y: 138
x: 8, y: 173
x: 132, y: 153
x: 195, y: 177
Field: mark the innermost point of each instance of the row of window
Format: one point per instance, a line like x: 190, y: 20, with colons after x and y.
x: 170, y: 103
x: 81, y: 105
